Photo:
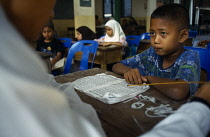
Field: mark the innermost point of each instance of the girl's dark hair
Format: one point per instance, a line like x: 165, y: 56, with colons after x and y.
x: 87, y: 33
x: 50, y: 25
x: 173, y: 12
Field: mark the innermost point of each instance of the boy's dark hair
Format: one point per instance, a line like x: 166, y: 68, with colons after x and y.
x: 173, y: 12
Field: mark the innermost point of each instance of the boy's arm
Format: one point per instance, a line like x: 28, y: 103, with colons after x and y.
x: 119, y: 68
x: 173, y: 91
x: 56, y: 58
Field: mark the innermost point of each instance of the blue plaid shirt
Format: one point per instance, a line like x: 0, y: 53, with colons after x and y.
x: 186, y: 66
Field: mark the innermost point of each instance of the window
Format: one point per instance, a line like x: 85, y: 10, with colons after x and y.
x: 126, y: 8
x: 108, y: 8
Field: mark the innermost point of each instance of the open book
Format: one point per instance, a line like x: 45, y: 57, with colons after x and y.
x: 107, y: 88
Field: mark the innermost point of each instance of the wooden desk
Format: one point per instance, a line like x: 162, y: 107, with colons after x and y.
x: 46, y: 58
x: 118, y: 119
x: 105, y: 55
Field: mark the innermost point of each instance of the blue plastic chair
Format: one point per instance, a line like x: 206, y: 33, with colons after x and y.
x: 133, y: 43
x: 208, y: 46
x: 87, y: 47
x: 193, y: 34
x: 66, y: 42
x: 145, y: 36
x: 204, y: 55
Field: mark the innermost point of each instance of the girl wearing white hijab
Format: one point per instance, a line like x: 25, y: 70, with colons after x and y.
x: 114, y: 35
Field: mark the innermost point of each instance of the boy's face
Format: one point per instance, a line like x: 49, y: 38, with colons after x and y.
x: 48, y: 33
x: 165, y: 37
x: 109, y: 31
x: 29, y: 16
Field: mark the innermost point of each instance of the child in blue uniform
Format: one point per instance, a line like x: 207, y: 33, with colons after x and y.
x: 49, y: 44
x: 166, y: 60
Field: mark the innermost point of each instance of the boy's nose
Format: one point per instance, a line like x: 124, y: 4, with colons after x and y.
x: 156, y: 40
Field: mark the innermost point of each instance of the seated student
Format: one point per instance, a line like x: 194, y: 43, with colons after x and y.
x: 166, y: 60
x: 49, y: 44
x: 114, y: 35
x: 85, y: 33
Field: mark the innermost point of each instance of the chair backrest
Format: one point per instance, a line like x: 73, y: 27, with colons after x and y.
x: 87, y: 47
x: 145, y: 35
x: 193, y: 34
x: 66, y: 42
x: 133, y: 42
x: 204, y: 55
x: 208, y: 46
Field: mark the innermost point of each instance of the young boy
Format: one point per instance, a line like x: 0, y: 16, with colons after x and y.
x: 166, y: 60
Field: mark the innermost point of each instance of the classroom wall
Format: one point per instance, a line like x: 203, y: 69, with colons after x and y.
x: 139, y: 8
x: 84, y: 16
x: 139, y: 12
x: 151, y: 6
x: 61, y: 26
x: 99, y: 9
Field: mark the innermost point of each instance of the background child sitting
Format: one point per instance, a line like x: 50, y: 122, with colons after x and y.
x: 166, y: 60
x: 82, y: 33
x: 114, y: 35
x: 49, y: 44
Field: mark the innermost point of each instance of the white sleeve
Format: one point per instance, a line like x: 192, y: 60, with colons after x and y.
x: 190, y: 120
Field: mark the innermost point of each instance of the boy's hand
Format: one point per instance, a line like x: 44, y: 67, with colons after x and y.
x: 204, y: 92
x: 134, y: 77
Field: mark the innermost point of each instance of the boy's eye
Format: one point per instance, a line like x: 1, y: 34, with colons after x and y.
x: 163, y: 33
x: 152, y: 33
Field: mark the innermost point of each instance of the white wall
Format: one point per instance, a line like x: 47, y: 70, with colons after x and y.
x: 84, y: 16
x: 99, y: 9
x: 139, y: 8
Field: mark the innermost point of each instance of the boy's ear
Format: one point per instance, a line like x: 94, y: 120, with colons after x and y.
x: 184, y: 35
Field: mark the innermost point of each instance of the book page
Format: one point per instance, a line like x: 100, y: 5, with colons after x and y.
x: 107, y: 88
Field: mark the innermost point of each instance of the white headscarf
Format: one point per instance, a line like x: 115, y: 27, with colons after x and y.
x: 117, y: 30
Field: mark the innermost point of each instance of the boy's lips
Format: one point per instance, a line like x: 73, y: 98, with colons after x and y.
x: 157, y: 49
